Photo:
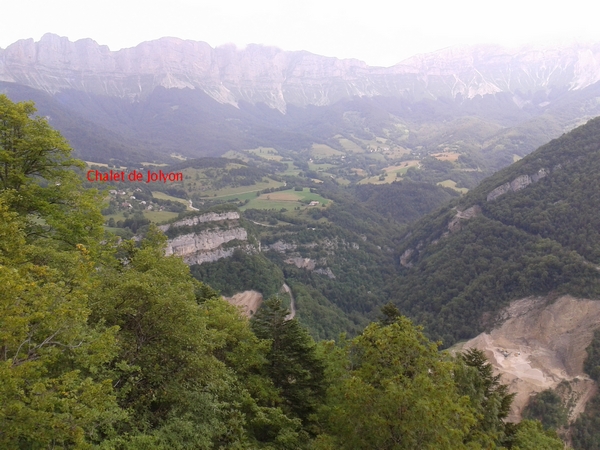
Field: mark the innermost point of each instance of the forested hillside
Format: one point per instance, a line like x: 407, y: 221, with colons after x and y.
x: 109, y: 344
x: 530, y: 229
x: 337, y: 263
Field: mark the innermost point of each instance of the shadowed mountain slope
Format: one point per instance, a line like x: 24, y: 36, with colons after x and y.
x: 530, y: 229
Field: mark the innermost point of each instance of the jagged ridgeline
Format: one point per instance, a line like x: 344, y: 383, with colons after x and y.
x: 530, y: 229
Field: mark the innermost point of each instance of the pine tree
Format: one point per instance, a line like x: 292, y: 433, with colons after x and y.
x: 293, y: 363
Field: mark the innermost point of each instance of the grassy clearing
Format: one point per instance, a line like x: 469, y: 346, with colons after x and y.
x: 160, y: 216
x: 242, y: 197
x: 389, y: 177
x: 292, y: 170
x: 395, y: 152
x: 118, y: 216
x: 229, y: 192
x: 324, y: 151
x: 452, y: 185
x: 163, y: 196
x: 402, y: 167
x: 232, y: 154
x: 446, y: 156
x: 350, y: 146
x: 153, y: 216
x: 391, y: 173
x: 376, y: 156
x: 285, y: 196
x: 269, y: 204
x: 266, y: 153
x: 288, y: 199
x: 320, y: 167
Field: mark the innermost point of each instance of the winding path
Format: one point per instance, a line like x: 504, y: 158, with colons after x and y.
x: 292, y: 314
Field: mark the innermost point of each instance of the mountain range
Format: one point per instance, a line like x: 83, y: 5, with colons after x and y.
x: 277, y: 78
x: 522, y: 244
x: 490, y: 104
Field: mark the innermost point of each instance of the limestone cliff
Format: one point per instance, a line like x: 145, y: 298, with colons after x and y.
x: 196, y: 248
x: 207, y: 245
x: 259, y: 74
x: 521, y: 182
x: 202, y: 218
x: 294, y: 253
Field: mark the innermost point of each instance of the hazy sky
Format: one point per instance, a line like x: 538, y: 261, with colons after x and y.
x: 376, y: 31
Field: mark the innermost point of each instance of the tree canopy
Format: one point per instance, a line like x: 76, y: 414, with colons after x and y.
x: 110, y: 344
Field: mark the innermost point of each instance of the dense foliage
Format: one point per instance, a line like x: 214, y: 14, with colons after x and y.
x: 240, y: 272
x: 591, y: 366
x: 540, y: 239
x: 405, y: 202
x: 114, y: 346
x: 547, y: 407
x: 586, y: 429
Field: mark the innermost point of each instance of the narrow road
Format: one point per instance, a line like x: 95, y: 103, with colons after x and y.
x: 264, y: 225
x: 191, y: 207
x: 291, y: 315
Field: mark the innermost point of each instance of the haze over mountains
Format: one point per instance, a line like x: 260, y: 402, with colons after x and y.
x: 259, y: 74
x: 174, y: 96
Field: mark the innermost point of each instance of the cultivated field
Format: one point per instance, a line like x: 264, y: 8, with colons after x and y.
x: 324, y: 151
x: 391, y: 173
x: 350, y: 146
x: 266, y: 153
x: 452, y: 185
x: 446, y: 156
x: 163, y: 196
x: 233, y: 192
x: 289, y: 199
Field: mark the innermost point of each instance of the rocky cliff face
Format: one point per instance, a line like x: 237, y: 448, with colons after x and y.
x: 196, y: 248
x: 521, y: 182
x: 203, y: 218
x: 207, y: 245
x: 295, y: 254
x: 278, y: 78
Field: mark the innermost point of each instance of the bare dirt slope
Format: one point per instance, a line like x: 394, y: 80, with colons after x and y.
x: 539, y: 345
x: 248, y: 301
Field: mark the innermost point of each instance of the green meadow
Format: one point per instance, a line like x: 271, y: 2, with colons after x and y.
x: 288, y: 199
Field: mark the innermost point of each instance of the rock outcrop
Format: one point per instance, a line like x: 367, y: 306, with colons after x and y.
x: 455, y: 224
x: 196, y: 248
x: 202, y: 218
x: 521, y: 182
x: 259, y: 74
x: 207, y: 245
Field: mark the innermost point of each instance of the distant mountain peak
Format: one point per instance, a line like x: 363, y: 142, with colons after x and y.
x: 261, y: 74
